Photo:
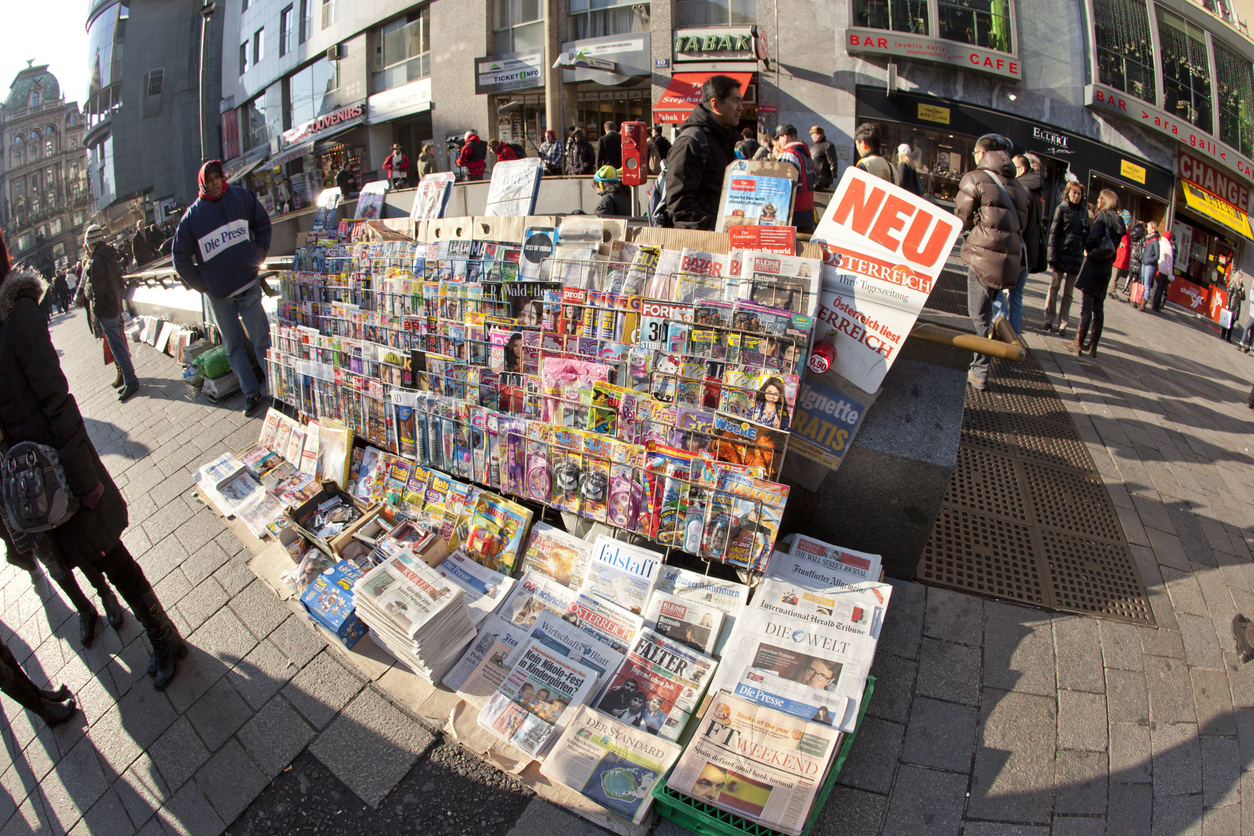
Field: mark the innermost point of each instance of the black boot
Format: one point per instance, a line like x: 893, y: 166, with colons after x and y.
x: 60, y: 695
x: 15, y: 683
x: 167, y: 645
x: 114, y: 613
x: 88, y: 623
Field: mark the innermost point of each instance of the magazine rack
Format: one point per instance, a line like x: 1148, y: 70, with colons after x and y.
x: 711, y: 821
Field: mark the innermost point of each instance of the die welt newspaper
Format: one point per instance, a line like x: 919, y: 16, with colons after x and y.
x: 883, y: 251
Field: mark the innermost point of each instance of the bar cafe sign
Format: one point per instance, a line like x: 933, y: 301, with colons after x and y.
x: 725, y: 44
x: 863, y: 41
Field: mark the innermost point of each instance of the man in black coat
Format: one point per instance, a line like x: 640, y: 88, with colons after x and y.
x: 103, y: 289
x: 142, y: 246
x: 701, y: 153
x: 610, y: 147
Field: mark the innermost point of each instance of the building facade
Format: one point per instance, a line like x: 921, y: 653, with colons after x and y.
x: 43, y: 175
x: 143, y: 106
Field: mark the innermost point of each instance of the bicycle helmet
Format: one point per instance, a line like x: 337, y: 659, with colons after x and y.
x: 606, y: 174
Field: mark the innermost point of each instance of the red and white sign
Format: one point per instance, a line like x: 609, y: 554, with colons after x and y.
x: 780, y: 240
x: 884, y: 249
x: 327, y: 122
x: 1218, y: 301
x: 864, y: 41
x: 1186, y: 294
x: 683, y: 93
x: 1204, y: 175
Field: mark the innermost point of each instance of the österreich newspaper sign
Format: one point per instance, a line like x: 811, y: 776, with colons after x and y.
x: 884, y: 249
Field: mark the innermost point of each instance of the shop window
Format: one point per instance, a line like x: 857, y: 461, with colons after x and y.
x: 894, y: 15
x: 243, y: 58
x: 604, y: 18
x: 1125, y: 47
x: 313, y: 91
x: 517, y: 25
x: 285, y: 31
x: 1186, y: 70
x: 715, y: 12
x: 983, y: 23
x: 259, y: 38
x: 597, y: 108
x: 403, y: 53
x: 1235, y: 91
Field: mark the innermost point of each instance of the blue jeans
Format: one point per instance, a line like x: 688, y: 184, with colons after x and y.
x: 228, y: 314
x: 1015, y: 316
x: 1148, y: 272
x: 112, y: 328
x: 979, y: 308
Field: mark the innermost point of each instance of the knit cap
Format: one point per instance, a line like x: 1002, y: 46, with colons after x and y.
x: 93, y: 235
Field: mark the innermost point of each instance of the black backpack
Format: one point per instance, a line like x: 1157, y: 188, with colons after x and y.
x: 518, y: 149
x: 658, y: 216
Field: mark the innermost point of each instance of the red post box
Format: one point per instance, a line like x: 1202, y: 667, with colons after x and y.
x: 635, y: 139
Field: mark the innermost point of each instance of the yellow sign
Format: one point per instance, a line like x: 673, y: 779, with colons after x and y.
x: 1220, y: 211
x: 932, y: 113
x: 1132, y: 171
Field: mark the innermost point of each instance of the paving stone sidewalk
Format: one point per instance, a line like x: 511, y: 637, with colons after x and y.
x: 988, y: 717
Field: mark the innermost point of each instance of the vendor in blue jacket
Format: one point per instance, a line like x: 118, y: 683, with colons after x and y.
x: 218, y: 248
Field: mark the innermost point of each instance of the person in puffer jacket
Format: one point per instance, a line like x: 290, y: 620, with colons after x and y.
x: 219, y: 246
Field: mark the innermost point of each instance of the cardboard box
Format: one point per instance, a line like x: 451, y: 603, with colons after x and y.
x: 299, y: 515
x: 329, y: 601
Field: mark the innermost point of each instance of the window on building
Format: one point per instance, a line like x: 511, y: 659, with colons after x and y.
x: 34, y: 98
x: 404, y: 50
x: 517, y: 25
x: 330, y: 12
x: 604, y: 18
x: 54, y: 226
x: 894, y: 15
x: 1125, y: 47
x: 73, y: 144
x: 47, y: 129
x: 1235, y: 92
x: 716, y: 12
x: 78, y: 218
x: 48, y: 148
x: 313, y: 91
x: 285, y: 31
x: 983, y: 23
x: 23, y: 242
x: 1186, y: 70
x: 17, y: 188
x: 106, y: 36
x: 306, y: 21
x: 243, y: 58
x: 258, y: 45
x: 72, y: 119
x: 74, y: 170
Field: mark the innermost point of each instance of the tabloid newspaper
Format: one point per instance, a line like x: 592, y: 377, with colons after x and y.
x: 613, y: 764
x: 559, y: 555
x: 491, y: 630
x: 806, y: 644
x: 756, y: 762
x: 537, y: 699
x: 658, y: 685
x: 532, y: 595
x: 621, y: 572
x: 862, y: 565
x: 687, y: 622
x: 884, y: 249
x: 484, y: 588
x: 614, y: 625
x: 488, y: 674
x: 729, y: 596
x: 575, y: 643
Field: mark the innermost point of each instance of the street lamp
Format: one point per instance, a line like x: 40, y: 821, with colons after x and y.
x: 206, y: 12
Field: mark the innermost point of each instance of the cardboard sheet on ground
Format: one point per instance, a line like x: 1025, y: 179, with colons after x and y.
x: 884, y: 250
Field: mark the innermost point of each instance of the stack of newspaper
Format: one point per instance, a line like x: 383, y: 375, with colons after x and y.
x: 485, y: 588
x: 417, y: 615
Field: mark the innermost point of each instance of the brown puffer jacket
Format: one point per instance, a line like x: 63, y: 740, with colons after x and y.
x: 992, y: 220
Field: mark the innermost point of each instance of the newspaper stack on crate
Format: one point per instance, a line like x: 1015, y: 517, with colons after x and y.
x: 415, y: 614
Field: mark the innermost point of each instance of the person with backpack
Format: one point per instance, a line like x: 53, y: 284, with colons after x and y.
x: 993, y: 209
x: 747, y: 147
x: 474, y: 156
x: 792, y: 150
x: 614, y: 202
x: 551, y: 153
x: 505, y: 151
x: 580, y: 155
x: 826, y: 162
x: 1101, y: 247
x: 867, y: 142
x: 700, y: 155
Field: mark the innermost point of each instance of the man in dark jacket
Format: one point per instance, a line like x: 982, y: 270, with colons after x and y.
x: 610, y: 148
x: 825, y: 160
x: 1010, y: 304
x: 580, y: 155
x: 993, y: 209
x: 701, y: 153
x: 141, y: 246
x: 219, y: 246
x: 102, y: 289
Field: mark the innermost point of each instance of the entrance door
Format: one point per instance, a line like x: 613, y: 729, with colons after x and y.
x: 410, y: 133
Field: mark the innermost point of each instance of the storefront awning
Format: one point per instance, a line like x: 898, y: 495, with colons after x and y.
x: 684, y: 93
x: 1220, y: 211
x: 238, y: 174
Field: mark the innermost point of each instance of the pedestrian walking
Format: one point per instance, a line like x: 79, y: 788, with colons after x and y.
x: 1009, y: 303
x: 426, y: 160
x: 38, y: 407
x: 1067, y: 234
x: 396, y: 168
x: 905, y: 174
x: 53, y: 707
x: 610, y: 147
x: 142, y: 246
x: 219, y: 247
x: 61, y: 289
x: 580, y: 155
x: 551, y: 153
x: 345, y: 182
x: 101, y: 289
x: 701, y: 153
x: 826, y: 163
x: 1123, y: 257
x: 1100, y: 247
x: 1166, y: 270
x: 1149, y: 266
x: 748, y: 146
x: 993, y: 209
x: 867, y: 142
x: 1136, y: 249
x: 795, y: 152
x: 474, y: 156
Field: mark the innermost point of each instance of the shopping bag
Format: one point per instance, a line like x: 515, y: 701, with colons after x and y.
x: 1137, y: 294
x: 1225, y: 318
x: 108, y: 355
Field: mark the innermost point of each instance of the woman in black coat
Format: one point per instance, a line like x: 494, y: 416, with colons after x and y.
x: 1094, y: 278
x: 37, y: 406
x: 1067, y: 234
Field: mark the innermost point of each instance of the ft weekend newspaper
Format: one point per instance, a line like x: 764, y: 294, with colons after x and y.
x: 884, y: 248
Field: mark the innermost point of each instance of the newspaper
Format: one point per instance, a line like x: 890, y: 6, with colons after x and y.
x: 531, y: 596
x: 609, y: 762
x: 431, y: 196
x: 756, y: 762
x: 687, y: 622
x: 728, y: 596
x: 537, y: 698
x: 884, y: 249
x: 484, y: 587
x: 513, y: 188
x: 576, y: 643
x: 861, y: 565
x: 658, y: 685
x: 487, y: 675
x: 621, y: 572
x: 492, y: 629
x: 614, y: 625
x: 780, y: 281
x: 562, y: 556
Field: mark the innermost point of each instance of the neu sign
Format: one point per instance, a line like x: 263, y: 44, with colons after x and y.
x: 863, y: 41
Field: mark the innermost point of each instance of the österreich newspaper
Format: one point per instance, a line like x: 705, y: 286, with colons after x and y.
x: 687, y: 622
x: 728, y: 596
x: 761, y: 764
x: 621, y: 573
x: 537, y: 699
x: 658, y: 685
x: 611, y: 763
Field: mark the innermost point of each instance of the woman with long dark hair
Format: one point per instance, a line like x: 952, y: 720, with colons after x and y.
x: 1107, y: 229
x: 37, y: 406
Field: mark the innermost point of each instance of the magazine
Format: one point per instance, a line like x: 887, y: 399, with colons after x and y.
x: 756, y: 762
x: 562, y: 556
x: 621, y: 572
x: 370, y: 201
x: 237, y: 490
x: 609, y: 762
x: 786, y: 282
x: 513, y: 188
x: 658, y: 685
x: 431, y: 197
x: 687, y: 622
x: 537, y: 699
x: 494, y: 536
x: 729, y: 597
x: 208, y: 477
x: 492, y: 629
x: 484, y: 588
x: 754, y: 199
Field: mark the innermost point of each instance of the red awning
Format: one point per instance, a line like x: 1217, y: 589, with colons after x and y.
x: 684, y: 93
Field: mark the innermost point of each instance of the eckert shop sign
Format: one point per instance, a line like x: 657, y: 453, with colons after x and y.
x: 921, y: 48
x: 334, y: 120
x: 714, y: 45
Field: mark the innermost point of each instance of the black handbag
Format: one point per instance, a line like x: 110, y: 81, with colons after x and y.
x: 1106, y: 248
x: 34, y: 488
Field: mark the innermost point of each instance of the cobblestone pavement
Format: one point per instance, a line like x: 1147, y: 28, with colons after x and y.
x: 989, y: 718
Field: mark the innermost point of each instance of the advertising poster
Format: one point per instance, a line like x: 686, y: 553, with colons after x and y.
x: 824, y: 423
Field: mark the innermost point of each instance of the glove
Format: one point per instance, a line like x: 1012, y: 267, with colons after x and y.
x: 92, y: 498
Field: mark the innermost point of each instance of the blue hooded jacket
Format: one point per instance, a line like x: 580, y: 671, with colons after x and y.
x: 220, y: 244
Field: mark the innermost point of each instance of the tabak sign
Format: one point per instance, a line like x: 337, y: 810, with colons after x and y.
x: 726, y: 44
x: 863, y: 41
x: 324, y: 123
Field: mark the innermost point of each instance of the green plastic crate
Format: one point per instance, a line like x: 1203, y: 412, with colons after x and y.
x: 706, y: 820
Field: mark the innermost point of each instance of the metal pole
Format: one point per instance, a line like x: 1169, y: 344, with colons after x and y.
x: 206, y: 12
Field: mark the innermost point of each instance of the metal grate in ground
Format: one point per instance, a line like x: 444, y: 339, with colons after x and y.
x: 1027, y: 517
